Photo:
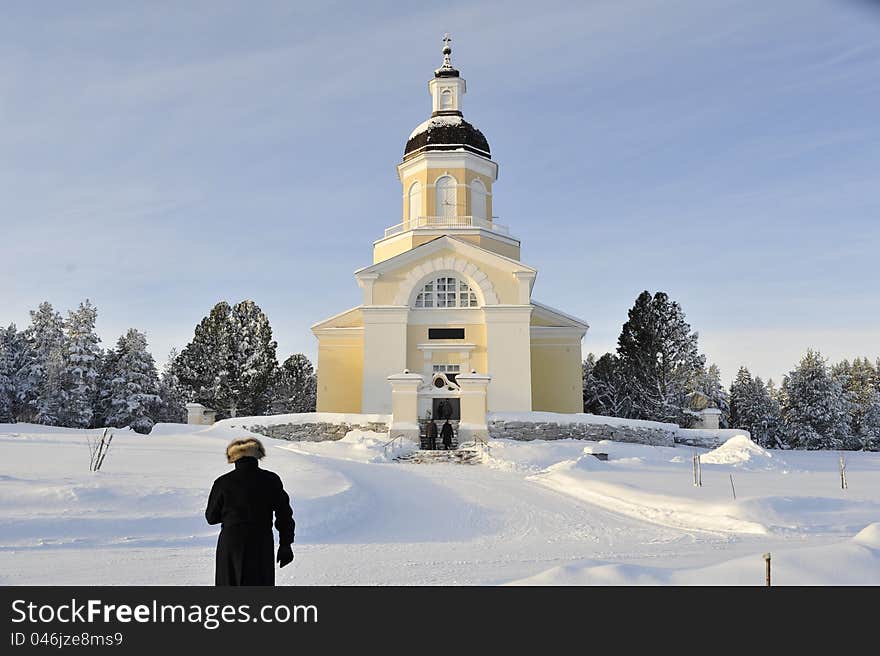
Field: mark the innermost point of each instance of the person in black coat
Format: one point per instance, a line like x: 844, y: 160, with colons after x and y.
x: 446, y: 434
x: 432, y: 434
x: 243, y: 502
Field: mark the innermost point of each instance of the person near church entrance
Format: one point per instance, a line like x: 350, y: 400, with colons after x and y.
x: 431, y: 433
x: 444, y: 409
x: 243, y: 502
x: 446, y: 435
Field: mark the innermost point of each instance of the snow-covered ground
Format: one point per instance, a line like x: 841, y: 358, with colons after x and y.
x: 533, y: 512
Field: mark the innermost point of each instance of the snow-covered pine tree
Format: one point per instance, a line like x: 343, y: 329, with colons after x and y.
x: 659, y: 359
x: 858, y: 381
x: 741, y: 400
x: 816, y: 411
x: 708, y: 382
x: 230, y: 362
x: 173, y: 398
x: 587, y: 386
x: 766, y: 427
x: 134, y: 384
x: 605, y: 390
x: 253, y: 361
x: 40, y: 379
x: 202, y: 367
x: 82, y: 362
x: 8, y: 370
x: 295, y: 386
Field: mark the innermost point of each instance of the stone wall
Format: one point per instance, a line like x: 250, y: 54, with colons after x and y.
x: 706, y: 438
x: 314, y: 431
x: 540, y: 430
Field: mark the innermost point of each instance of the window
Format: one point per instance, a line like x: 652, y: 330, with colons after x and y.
x: 415, y: 201
x: 451, y: 371
x: 447, y: 201
x: 445, y: 333
x: 446, y: 99
x: 478, y: 200
x: 446, y: 292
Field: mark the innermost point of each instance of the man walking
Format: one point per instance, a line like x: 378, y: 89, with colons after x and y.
x: 244, y: 501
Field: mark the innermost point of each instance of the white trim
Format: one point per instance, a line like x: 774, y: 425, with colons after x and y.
x: 546, y: 309
x: 449, y: 348
x: 456, y: 317
x: 449, y: 159
x: 339, y: 332
x: 471, y: 230
x: 555, y: 332
x: 464, y: 248
x: 317, y: 325
x: 458, y: 267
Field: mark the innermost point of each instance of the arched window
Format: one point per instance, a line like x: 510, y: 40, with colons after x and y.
x: 478, y: 200
x: 447, y: 200
x: 446, y: 99
x: 414, y: 208
x: 446, y: 292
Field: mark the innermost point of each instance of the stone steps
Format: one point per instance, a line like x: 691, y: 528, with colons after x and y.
x: 454, y: 456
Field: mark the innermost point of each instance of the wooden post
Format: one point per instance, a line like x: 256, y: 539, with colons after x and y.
x: 767, y: 561
x: 841, y: 461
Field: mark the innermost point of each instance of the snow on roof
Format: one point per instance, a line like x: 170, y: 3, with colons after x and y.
x: 436, y: 122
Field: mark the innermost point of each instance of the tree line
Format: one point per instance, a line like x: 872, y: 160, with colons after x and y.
x: 657, y: 373
x: 55, y: 372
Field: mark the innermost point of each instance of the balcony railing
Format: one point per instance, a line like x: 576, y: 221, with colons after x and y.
x: 440, y: 222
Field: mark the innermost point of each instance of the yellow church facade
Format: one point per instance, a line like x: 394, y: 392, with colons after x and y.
x: 446, y: 305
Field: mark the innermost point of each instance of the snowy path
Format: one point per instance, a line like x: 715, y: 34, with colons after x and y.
x: 359, y: 521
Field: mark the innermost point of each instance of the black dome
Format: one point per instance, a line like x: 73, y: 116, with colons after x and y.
x: 446, y: 133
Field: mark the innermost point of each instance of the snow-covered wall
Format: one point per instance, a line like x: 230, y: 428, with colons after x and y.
x: 707, y: 438
x: 580, y: 426
x: 327, y: 426
x: 310, y: 426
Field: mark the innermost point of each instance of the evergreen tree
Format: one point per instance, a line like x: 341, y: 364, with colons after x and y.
x: 82, y: 361
x: 295, y: 387
x: 172, y: 396
x: 133, y: 384
x: 816, y: 414
x: 858, y: 381
x: 766, y: 427
x: 708, y: 383
x: 202, y: 366
x: 741, y: 399
x: 8, y: 371
x: 253, y: 360
x: 40, y: 379
x: 605, y: 389
x: 230, y: 362
x: 658, y: 357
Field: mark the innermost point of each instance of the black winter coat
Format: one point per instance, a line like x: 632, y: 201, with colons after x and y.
x: 446, y: 433
x: 244, y: 501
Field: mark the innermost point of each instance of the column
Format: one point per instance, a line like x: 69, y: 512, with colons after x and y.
x: 473, y: 407
x: 384, y: 354
x: 508, y: 346
x: 405, y: 405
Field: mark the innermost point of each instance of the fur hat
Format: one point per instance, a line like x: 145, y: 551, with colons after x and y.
x: 248, y: 447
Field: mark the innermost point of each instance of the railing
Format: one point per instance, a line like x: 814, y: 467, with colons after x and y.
x: 390, y: 444
x: 435, y: 222
x: 483, y: 446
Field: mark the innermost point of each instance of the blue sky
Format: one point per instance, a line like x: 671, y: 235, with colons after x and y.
x: 159, y: 157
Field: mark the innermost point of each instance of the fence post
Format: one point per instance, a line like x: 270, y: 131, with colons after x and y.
x: 767, y: 561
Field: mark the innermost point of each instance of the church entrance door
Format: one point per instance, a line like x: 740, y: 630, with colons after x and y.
x: 444, y: 408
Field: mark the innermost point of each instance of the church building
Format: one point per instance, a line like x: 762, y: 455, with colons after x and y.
x: 447, y: 314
